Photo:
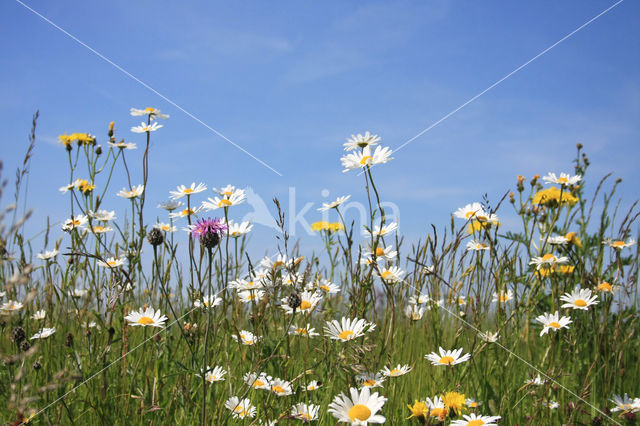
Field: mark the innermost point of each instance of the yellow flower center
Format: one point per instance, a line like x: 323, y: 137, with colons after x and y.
x: 278, y: 389
x: 394, y: 372
x: 379, y: 251
x: 359, y: 412
x: 188, y: 191
x: 560, y: 180
x: 186, y: 212
x: 581, y: 303
x: 415, y: 316
x: 305, y: 416
x: 145, y: 320
x: 476, y: 422
x: 503, y: 298
x: 369, y: 382
x: 469, y: 214
x: 248, y: 342
x: 365, y: 159
x: 473, y: 404
x: 446, y: 360
x: 224, y: 203
x: 149, y: 110
x: 112, y: 263
x: 325, y: 287
x: 302, y: 331
x: 555, y: 324
x: 305, y: 305
x: 98, y: 228
x: 548, y: 257
x: 346, y: 335
x: 617, y: 244
x: 386, y: 274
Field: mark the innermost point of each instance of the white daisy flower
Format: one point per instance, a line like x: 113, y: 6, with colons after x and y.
x: 240, y: 409
x: 309, y: 301
x: 471, y: 211
x: 150, y: 111
x: 102, y: 215
x: 564, y: 179
x: 360, y: 408
x: 281, y: 387
x: 559, y: 240
x: 144, y: 127
x: 11, y: 305
x: 208, y: 302
x: 134, y: 192
x: 346, y: 329
x: 215, y: 374
x: 239, y: 229
x: 605, y: 287
x: 39, y: 315
x: 165, y: 227
x: 502, y: 297
x: 625, y: 404
x: 551, y: 404
x: 579, y: 299
x: 99, y: 229
x: 48, y: 254
x: 74, y: 222
x: 476, y: 419
x: 250, y: 296
x: 437, y: 408
x: 313, y: 385
x: 44, y: 333
x: 170, y: 205
x: 225, y: 191
x: 111, y: 262
x: 414, y: 312
x: 122, y: 145
x: 477, y: 245
x: 361, y: 141
x: 183, y: 190
x: 146, y: 317
x: 489, y: 336
x: 306, y: 331
x: 382, y: 230
x: 471, y: 403
x: 420, y: 299
x: 258, y: 381
x: 371, y: 380
x: 237, y: 197
x: 447, y: 357
x: 536, y: 381
x: 399, y: 370
x: 619, y: 244
x: 387, y: 253
x: 548, y: 260
x: 334, y: 204
x: 184, y: 213
x: 392, y: 274
x: 553, y: 322
x: 241, y: 284
x: 364, y: 158
x: 305, y: 412
x: 327, y: 286
x: 247, y: 338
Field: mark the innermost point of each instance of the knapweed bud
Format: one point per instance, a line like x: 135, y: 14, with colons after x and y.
x: 18, y: 335
x: 294, y: 300
x: 68, y: 341
x: 155, y: 237
x: 25, y: 346
x: 111, y: 129
x: 37, y: 366
x: 99, y: 150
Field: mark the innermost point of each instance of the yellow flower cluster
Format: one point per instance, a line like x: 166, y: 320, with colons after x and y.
x: 81, y: 138
x: 326, y: 226
x: 84, y: 186
x: 553, y: 196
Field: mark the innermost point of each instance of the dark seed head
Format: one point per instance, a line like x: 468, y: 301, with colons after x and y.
x: 25, y: 346
x: 69, y: 340
x: 18, y: 335
x: 294, y: 301
x: 37, y: 366
x: 155, y: 237
x: 210, y: 239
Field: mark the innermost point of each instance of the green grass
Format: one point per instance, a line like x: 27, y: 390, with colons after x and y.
x: 115, y: 373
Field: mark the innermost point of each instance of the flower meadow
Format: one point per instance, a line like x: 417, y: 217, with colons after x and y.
x: 170, y: 321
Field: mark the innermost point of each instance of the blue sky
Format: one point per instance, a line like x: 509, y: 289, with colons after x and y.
x: 290, y: 81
